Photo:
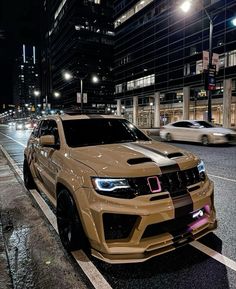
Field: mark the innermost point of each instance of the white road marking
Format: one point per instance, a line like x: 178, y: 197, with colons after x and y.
x: 223, y: 178
x: 95, y: 277
x: 215, y: 255
x: 87, y: 266
x: 13, y: 163
x: 20, y: 143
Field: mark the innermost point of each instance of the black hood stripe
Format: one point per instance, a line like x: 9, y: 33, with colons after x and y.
x: 183, y: 205
x: 151, y: 149
x: 159, y: 158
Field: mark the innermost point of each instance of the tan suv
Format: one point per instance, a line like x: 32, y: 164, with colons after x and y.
x: 116, y: 191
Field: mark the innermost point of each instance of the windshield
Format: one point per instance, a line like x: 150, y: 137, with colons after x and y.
x: 97, y: 131
x: 204, y: 123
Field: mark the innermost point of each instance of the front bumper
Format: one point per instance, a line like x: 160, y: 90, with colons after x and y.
x: 228, y: 138
x: 127, y: 231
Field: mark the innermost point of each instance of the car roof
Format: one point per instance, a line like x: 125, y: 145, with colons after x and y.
x: 81, y: 116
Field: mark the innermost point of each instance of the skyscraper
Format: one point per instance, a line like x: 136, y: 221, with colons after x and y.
x: 26, y: 76
x: 78, y: 40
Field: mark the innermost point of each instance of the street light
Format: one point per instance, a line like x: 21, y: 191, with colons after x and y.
x: 95, y: 79
x: 233, y: 21
x: 185, y: 7
x: 56, y: 94
x: 68, y: 76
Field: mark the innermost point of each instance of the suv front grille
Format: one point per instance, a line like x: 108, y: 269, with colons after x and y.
x: 175, y: 183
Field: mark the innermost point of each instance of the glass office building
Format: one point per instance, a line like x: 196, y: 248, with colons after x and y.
x: 77, y: 55
x: 161, y: 56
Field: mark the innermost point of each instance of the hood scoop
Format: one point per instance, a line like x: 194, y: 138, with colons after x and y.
x: 137, y: 161
x: 174, y: 155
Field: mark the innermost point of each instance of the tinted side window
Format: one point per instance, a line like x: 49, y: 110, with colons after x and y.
x: 53, y: 130
x: 43, y: 128
x: 182, y: 124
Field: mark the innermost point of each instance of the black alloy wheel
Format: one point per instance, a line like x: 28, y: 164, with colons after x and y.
x: 69, y: 225
x: 28, y: 178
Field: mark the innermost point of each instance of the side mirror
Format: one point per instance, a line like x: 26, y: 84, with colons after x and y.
x: 47, y: 140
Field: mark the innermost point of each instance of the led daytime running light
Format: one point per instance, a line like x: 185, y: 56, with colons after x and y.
x: 201, y: 167
x: 109, y: 185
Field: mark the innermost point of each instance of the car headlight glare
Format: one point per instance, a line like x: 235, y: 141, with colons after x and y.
x: 109, y: 184
x: 218, y: 134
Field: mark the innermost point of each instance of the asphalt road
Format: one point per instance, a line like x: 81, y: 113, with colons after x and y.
x: 187, y: 267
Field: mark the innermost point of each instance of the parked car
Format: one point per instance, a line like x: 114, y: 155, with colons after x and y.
x: 197, y: 131
x: 116, y: 191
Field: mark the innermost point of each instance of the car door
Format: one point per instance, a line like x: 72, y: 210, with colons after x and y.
x: 45, y: 168
x: 180, y: 130
x: 53, y: 159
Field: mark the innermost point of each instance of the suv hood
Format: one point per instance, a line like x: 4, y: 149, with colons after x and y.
x: 133, y: 159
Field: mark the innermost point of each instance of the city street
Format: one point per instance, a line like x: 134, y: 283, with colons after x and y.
x: 43, y: 263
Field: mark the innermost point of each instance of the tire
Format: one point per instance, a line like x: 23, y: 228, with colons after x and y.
x: 69, y: 225
x: 168, y: 137
x: 28, y: 178
x: 205, y: 140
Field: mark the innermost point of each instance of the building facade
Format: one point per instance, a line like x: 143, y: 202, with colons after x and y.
x: 78, y: 41
x: 26, y: 79
x: 160, y: 60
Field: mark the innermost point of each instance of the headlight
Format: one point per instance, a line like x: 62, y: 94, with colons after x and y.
x: 202, y: 170
x: 109, y: 185
x: 218, y: 134
x: 117, y: 188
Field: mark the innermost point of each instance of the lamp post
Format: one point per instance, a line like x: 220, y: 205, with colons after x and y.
x: 185, y: 7
x: 209, y: 96
x: 151, y: 105
x: 36, y: 94
x: 68, y: 76
x: 46, y: 104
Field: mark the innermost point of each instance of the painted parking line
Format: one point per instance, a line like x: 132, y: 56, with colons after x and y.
x: 215, y: 255
x: 222, y: 178
x: 89, y: 269
x: 20, y: 143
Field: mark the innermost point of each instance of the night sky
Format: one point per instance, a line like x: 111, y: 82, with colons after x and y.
x: 19, y: 23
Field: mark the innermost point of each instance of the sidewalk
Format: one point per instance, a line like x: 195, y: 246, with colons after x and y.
x: 6, y: 177
x: 31, y: 254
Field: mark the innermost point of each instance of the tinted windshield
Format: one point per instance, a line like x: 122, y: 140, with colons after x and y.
x: 204, y: 123
x: 86, y: 132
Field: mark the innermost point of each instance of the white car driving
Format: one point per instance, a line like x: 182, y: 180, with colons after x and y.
x: 197, y: 131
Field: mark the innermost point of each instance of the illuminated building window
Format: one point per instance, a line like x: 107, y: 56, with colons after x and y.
x: 133, y: 10
x: 141, y: 82
x: 232, y: 58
